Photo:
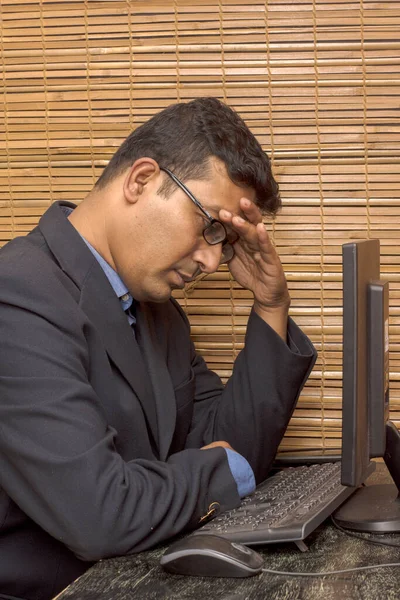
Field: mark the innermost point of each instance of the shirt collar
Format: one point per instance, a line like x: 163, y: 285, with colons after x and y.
x: 115, y: 280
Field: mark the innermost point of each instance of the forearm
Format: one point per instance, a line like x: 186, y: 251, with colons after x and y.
x: 261, y: 394
x: 99, y: 505
x: 63, y: 457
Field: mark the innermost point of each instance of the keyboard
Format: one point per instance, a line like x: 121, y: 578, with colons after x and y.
x: 286, y: 507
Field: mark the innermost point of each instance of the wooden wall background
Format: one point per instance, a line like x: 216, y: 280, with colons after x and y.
x: 316, y: 80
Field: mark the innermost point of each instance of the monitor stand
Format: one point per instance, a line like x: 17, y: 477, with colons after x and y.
x: 376, y: 508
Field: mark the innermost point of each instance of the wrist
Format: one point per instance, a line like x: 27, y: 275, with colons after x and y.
x: 275, y: 316
x: 278, y: 307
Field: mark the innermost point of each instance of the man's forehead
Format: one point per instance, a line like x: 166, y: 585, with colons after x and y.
x: 217, y: 190
x: 217, y: 197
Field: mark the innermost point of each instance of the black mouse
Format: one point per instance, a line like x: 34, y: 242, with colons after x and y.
x: 208, y: 555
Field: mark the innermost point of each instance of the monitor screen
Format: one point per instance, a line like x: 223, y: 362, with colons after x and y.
x: 378, y: 365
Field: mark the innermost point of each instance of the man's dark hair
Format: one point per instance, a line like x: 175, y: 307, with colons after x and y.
x: 183, y: 137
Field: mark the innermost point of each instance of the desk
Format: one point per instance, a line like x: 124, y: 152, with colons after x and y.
x: 140, y: 576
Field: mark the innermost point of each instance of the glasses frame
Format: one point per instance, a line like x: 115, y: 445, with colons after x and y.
x: 183, y: 187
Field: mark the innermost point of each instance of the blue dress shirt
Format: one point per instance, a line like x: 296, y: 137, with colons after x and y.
x: 240, y: 468
x: 242, y: 473
x: 125, y: 298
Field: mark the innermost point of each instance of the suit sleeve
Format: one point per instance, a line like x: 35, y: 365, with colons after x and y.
x: 58, y: 460
x: 253, y: 410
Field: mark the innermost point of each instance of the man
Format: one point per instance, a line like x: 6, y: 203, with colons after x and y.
x: 114, y: 434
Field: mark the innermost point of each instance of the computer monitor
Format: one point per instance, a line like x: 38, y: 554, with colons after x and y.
x: 360, y: 266
x: 366, y: 429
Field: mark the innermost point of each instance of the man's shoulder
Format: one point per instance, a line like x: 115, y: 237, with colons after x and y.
x: 27, y: 268
x: 21, y: 253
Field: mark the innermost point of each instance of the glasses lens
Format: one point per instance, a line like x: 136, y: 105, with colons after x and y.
x: 215, y: 233
x: 231, y: 237
x: 227, y: 253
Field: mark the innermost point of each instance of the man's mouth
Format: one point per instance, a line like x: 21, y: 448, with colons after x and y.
x: 188, y: 278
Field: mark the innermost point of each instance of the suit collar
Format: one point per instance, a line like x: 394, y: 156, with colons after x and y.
x: 65, y: 243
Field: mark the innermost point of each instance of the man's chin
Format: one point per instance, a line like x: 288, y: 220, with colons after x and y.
x: 160, y: 292
x: 160, y: 300
x: 159, y: 296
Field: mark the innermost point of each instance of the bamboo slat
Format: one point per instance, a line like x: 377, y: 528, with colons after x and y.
x: 318, y: 81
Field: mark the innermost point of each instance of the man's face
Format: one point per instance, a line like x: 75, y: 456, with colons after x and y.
x: 160, y: 245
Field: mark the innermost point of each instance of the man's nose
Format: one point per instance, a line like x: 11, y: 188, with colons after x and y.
x: 209, y: 257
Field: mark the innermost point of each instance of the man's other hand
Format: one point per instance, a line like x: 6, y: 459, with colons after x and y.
x: 220, y: 444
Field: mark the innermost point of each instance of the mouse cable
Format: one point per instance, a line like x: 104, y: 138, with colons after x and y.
x: 322, y: 574
x: 371, y: 540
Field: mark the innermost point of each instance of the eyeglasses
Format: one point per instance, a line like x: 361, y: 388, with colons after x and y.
x: 215, y: 232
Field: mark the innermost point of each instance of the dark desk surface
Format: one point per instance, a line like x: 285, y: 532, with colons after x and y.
x: 140, y: 576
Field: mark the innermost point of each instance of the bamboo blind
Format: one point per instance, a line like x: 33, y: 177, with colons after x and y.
x: 316, y: 80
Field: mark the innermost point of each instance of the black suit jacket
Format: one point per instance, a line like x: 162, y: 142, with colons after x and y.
x: 100, y: 431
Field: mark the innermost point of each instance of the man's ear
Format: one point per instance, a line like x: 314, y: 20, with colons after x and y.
x: 141, y: 174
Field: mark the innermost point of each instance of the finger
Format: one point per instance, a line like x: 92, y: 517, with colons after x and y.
x: 263, y: 237
x: 247, y: 231
x: 253, y: 234
x: 260, y: 247
x: 253, y: 237
x: 266, y: 249
x: 251, y: 211
x: 219, y: 444
x: 267, y: 256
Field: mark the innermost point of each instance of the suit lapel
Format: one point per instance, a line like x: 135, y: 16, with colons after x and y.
x: 149, y: 333
x: 101, y: 305
x: 112, y: 325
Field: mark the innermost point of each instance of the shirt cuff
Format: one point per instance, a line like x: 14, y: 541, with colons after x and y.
x: 241, y: 472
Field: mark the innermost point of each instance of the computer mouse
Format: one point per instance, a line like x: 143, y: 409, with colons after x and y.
x: 208, y: 555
